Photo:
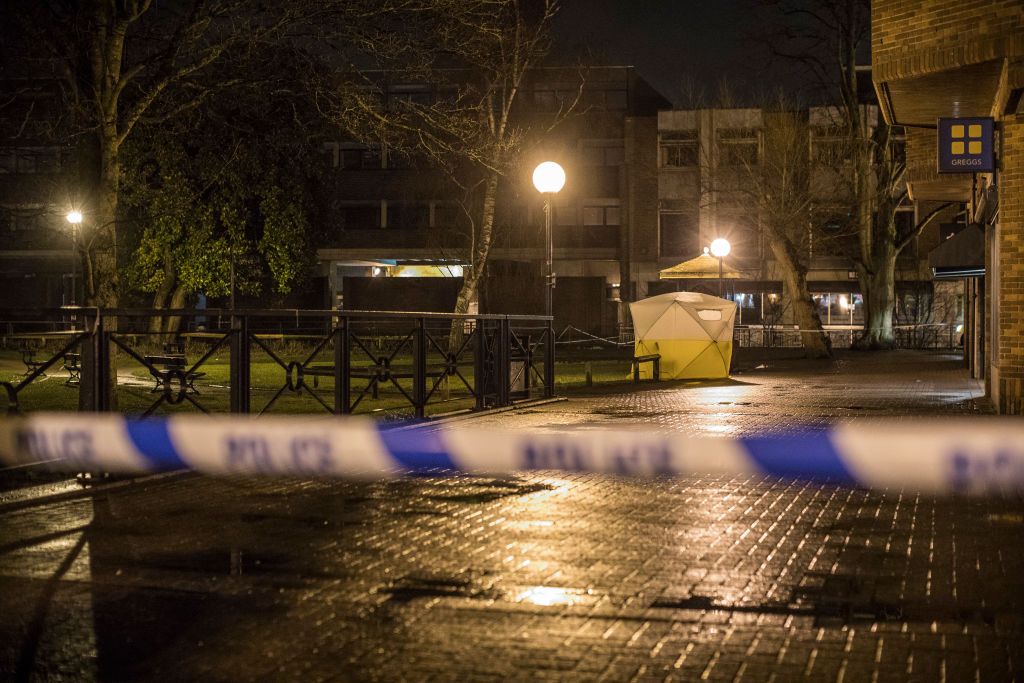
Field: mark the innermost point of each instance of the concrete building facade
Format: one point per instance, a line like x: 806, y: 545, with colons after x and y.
x: 396, y: 238
x: 704, y: 156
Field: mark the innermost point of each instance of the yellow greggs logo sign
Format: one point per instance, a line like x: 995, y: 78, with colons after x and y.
x: 965, y: 145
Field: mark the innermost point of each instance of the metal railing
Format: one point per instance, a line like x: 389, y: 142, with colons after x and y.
x: 260, y: 361
x: 938, y: 336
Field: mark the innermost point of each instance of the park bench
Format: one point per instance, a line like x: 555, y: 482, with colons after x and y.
x: 28, y: 357
x: 73, y: 366
x: 170, y: 366
x: 327, y: 370
x: 654, y: 359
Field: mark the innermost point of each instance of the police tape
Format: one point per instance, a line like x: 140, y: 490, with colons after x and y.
x: 964, y: 456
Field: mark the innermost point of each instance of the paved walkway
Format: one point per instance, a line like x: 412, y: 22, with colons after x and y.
x: 541, y: 577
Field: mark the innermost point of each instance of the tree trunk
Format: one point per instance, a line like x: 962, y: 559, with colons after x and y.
x: 173, y: 323
x: 480, y: 254
x: 163, y: 292
x: 101, y: 279
x: 878, y: 284
x: 812, y: 333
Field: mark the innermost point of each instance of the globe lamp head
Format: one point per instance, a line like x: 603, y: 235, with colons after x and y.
x: 548, y: 177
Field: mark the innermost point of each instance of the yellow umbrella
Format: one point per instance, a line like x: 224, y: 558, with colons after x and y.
x: 704, y: 266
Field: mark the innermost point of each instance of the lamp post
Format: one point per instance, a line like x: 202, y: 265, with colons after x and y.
x: 75, y: 219
x: 548, y: 178
x: 720, y: 249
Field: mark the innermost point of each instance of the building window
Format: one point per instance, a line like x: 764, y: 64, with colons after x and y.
x: 30, y: 220
x: 616, y: 100
x: 745, y: 236
x: 679, y: 149
x: 564, y: 214
x: 351, y: 155
x: 833, y: 220
x: 363, y: 216
x: 398, y: 159
x: 738, y: 146
x: 828, y: 146
x: 549, y: 97
x: 601, y: 215
x: 679, y: 234
x: 597, y: 99
x: 408, y: 215
x: 29, y: 160
x: 417, y: 95
x: 603, y: 154
x: 545, y: 100
x: 447, y: 215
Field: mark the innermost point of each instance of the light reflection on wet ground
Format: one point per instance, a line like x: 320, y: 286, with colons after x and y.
x: 548, y: 575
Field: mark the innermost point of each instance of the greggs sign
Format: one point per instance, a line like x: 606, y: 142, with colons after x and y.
x: 966, y: 145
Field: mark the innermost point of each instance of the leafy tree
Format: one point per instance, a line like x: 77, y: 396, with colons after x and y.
x: 227, y: 210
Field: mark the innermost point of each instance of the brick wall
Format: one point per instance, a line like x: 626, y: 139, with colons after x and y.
x: 1010, y: 352
x: 911, y: 37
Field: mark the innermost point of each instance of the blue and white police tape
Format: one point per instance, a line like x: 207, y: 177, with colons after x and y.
x: 974, y: 456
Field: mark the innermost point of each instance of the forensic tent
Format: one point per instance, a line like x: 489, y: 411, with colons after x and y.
x: 691, y: 331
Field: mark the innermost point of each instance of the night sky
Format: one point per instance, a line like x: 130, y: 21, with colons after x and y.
x: 670, y: 42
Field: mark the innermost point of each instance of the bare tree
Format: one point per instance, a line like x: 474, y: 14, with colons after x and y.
x: 771, y: 180
x: 780, y: 187
x: 471, y: 131
x: 827, y: 39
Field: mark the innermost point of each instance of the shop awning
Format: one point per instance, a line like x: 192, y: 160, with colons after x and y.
x: 962, y: 255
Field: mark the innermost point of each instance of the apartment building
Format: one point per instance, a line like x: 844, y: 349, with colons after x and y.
x: 703, y: 156
x: 36, y: 258
x: 396, y: 238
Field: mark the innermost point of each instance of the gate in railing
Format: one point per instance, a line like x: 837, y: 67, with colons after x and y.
x: 342, y: 362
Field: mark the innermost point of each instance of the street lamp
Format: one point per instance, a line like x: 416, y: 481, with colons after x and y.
x: 75, y: 219
x: 548, y: 178
x: 720, y: 249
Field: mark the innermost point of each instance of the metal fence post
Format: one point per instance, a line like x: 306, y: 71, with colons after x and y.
x: 100, y: 353
x: 342, y: 368
x: 479, y: 355
x: 419, y: 372
x: 549, y: 361
x: 241, y: 376
x: 503, y: 361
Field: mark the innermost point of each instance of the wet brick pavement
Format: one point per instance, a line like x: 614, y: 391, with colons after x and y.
x: 541, y: 577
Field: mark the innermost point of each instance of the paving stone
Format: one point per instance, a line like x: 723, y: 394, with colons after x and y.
x: 547, y: 576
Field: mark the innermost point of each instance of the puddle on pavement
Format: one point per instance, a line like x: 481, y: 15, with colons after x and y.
x: 550, y: 596
x: 411, y: 588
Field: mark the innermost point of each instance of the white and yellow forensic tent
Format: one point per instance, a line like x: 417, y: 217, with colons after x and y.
x: 691, y: 331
